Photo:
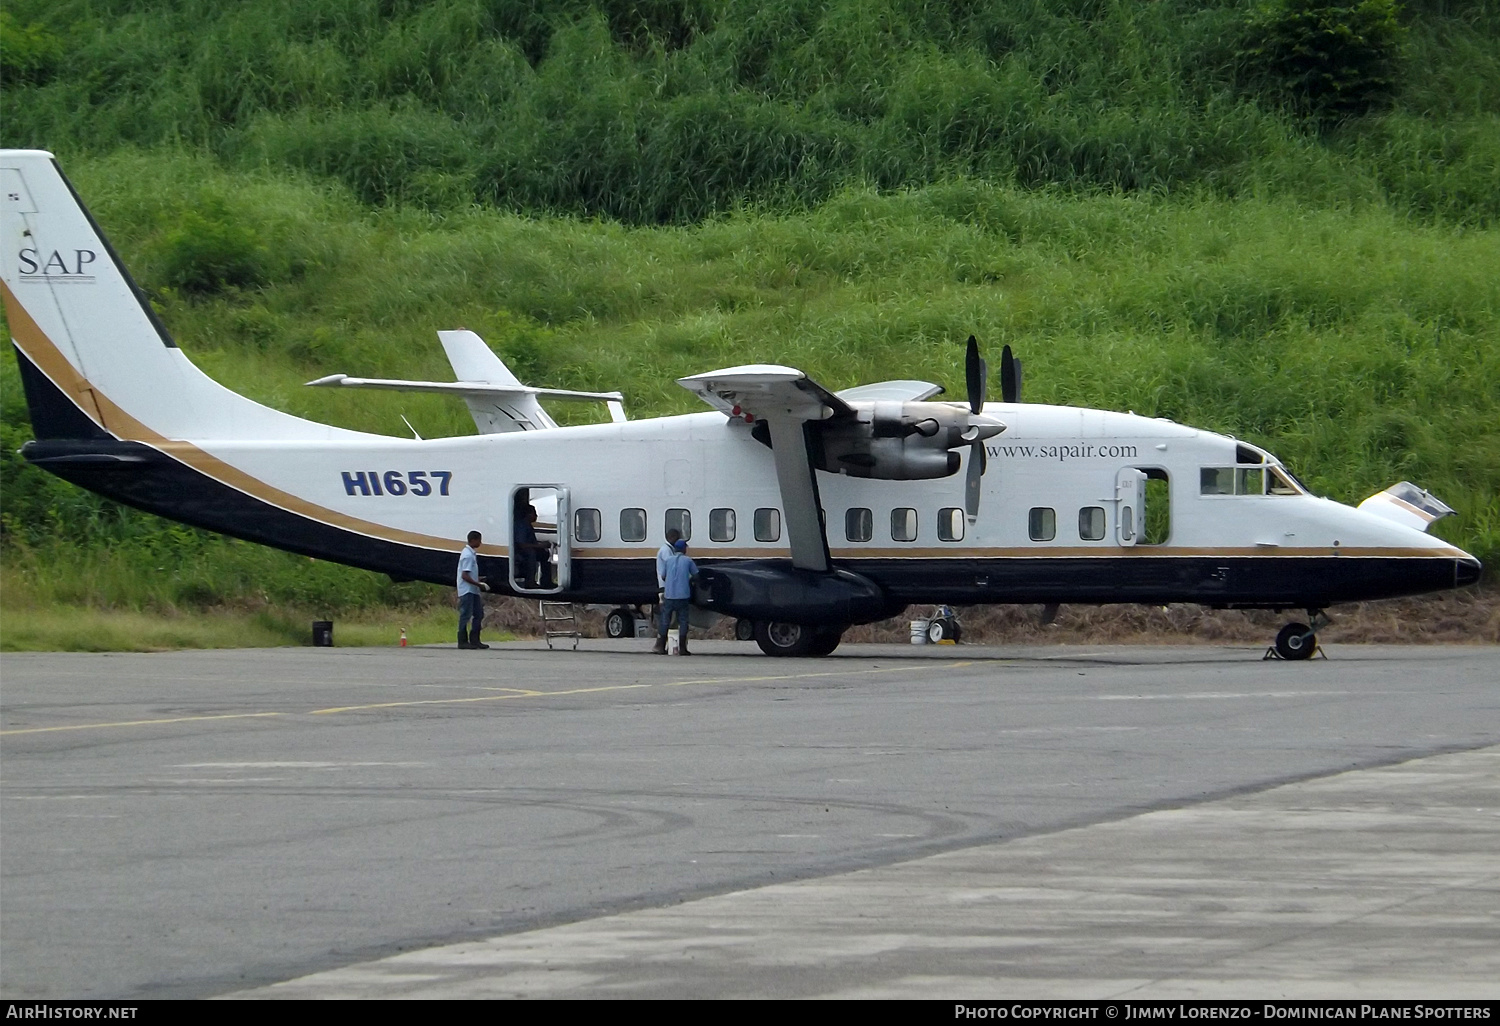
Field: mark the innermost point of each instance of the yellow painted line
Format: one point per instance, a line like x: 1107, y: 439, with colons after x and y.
x: 623, y: 687
x: 141, y: 723
x: 512, y: 693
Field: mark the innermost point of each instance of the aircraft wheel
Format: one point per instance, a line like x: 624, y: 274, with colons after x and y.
x: 784, y: 639
x: 1296, y: 641
x: 744, y: 630
x: 943, y: 629
x: 620, y: 623
x: 825, y: 640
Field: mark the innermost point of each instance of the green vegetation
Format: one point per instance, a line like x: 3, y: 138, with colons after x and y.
x: 1134, y: 195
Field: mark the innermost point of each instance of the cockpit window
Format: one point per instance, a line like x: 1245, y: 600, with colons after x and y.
x: 1246, y: 481
x: 1216, y: 481
x: 1278, y: 483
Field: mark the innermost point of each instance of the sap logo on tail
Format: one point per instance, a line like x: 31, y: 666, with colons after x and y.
x: 55, y: 266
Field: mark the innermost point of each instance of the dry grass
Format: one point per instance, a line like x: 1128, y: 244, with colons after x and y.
x: 1471, y: 617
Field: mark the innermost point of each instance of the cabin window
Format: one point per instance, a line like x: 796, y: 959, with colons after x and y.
x: 721, y: 525
x: 632, y: 525
x: 903, y: 525
x: 1041, y: 523
x: 950, y: 524
x: 588, y: 525
x: 1278, y: 484
x: 859, y: 524
x: 1216, y: 481
x: 768, y: 525
x: 683, y: 521
x: 1091, y: 523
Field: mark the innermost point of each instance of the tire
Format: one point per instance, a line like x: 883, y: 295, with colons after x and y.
x: 785, y: 639
x: 1296, y: 641
x: 744, y: 630
x: 826, y: 639
x: 944, y: 629
x: 620, y: 623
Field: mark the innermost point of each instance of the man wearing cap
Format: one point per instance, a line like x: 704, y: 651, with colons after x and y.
x: 677, y: 589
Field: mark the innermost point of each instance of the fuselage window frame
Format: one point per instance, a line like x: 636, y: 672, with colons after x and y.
x: 682, y: 520
x: 950, y: 524
x: 1041, y: 524
x: 633, y: 524
x: 588, y: 524
x: 1091, y: 523
x: 859, y: 524
x: 767, y: 524
x: 904, y: 525
x: 722, y: 525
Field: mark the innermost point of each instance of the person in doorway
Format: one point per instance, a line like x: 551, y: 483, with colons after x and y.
x: 533, y: 559
x: 677, y: 590
x: 470, y: 594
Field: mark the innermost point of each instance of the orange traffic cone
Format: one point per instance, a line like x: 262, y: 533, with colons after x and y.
x: 403, y: 637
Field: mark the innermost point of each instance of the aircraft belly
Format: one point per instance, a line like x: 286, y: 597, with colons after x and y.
x: 1225, y: 581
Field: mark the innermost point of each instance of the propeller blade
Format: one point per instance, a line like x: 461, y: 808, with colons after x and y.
x: 975, y: 373
x: 971, y: 480
x: 1010, y: 376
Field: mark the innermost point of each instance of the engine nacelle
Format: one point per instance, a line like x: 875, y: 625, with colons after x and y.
x: 776, y: 591
x: 894, y: 441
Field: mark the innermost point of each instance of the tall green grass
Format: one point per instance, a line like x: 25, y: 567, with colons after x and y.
x: 675, y: 110
x: 615, y: 193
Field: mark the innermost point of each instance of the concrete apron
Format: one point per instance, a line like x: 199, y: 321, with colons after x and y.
x: 1381, y: 883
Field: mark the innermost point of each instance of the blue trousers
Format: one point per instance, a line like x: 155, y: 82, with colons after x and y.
x: 679, y: 607
x: 470, y: 608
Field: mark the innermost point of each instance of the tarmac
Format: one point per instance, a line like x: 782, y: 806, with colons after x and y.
x: 1375, y: 884
x: 1122, y: 822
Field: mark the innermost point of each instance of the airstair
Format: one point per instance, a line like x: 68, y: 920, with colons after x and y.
x: 559, y: 621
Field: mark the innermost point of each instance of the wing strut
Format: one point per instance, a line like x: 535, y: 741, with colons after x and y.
x: 799, y: 493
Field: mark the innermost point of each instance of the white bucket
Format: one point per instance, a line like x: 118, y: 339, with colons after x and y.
x: 919, y: 632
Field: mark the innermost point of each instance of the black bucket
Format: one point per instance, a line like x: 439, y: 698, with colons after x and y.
x: 322, y: 633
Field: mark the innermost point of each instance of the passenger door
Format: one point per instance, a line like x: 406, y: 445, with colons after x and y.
x: 1130, y: 505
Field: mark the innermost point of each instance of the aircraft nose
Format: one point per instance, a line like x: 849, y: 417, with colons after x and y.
x: 1466, y: 571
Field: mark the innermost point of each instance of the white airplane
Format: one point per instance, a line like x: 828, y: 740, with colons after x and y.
x: 809, y: 510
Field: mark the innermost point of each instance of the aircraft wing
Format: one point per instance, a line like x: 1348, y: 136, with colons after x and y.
x: 903, y: 391
x: 790, y: 403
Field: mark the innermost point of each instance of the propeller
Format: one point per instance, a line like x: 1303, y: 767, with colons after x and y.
x: 1010, y: 376
x: 975, y: 375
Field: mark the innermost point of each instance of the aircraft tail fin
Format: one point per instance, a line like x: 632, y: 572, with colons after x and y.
x: 473, y: 360
x: 96, y: 360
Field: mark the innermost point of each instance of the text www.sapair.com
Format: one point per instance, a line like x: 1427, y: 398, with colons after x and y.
x: 1062, y: 452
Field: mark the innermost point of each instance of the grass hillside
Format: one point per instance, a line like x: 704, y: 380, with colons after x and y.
x: 1156, y: 215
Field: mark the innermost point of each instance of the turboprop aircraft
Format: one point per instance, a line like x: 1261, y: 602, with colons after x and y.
x: 809, y: 510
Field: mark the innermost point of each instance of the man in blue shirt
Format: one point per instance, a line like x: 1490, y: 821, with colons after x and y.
x: 677, y: 589
x: 470, y: 601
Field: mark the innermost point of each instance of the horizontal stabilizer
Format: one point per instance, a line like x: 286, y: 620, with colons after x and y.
x: 496, y: 398
x: 1406, y: 504
x: 463, y: 388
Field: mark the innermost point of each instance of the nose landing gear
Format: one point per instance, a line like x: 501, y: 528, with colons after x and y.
x: 1298, y: 640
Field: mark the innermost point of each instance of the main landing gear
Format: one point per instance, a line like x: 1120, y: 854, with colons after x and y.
x: 1298, y: 640
x: 795, y: 639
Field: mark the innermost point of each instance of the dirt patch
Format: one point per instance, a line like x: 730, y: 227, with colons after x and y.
x: 1471, y: 616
